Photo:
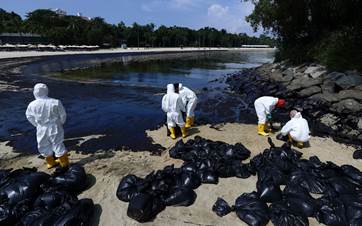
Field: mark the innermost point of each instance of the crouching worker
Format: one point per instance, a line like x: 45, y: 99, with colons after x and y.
x: 172, y: 105
x: 48, y: 116
x: 264, y: 107
x: 296, y: 129
x: 189, y: 99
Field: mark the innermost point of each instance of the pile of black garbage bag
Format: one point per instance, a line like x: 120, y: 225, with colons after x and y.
x: 204, y: 162
x: 338, y: 187
x: 29, y: 197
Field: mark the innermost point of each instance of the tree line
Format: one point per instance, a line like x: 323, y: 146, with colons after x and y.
x: 327, y: 31
x: 74, y: 30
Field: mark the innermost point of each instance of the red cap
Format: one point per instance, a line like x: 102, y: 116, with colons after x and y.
x: 281, y: 103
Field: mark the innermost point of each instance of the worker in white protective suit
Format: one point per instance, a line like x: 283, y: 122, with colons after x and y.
x: 296, y: 129
x: 189, y: 99
x: 48, y: 116
x: 264, y: 107
x: 173, y: 106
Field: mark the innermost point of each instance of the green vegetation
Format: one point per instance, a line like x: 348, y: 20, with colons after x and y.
x: 74, y: 30
x: 329, y: 32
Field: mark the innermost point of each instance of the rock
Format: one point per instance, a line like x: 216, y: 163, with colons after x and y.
x: 350, y: 94
x: 312, y: 69
x: 310, y: 91
x: 349, y: 81
x: 329, y: 120
x: 300, y: 83
x: 328, y: 86
x: 347, y: 106
x: 359, y: 124
x: 315, y: 71
x: 318, y: 74
x: 277, y: 76
x: 288, y: 72
x: 334, y: 76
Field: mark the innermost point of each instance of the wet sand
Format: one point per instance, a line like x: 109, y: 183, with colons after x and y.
x: 108, y: 167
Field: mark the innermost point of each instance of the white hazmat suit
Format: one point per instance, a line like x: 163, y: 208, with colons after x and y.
x: 172, y: 105
x: 264, y: 106
x: 189, y: 99
x: 297, y: 128
x: 48, y: 116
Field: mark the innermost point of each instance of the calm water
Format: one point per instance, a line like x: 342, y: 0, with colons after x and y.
x: 120, y: 101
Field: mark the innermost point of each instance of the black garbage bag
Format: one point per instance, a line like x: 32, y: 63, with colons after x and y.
x: 353, y: 173
x: 65, y: 215
x: 341, y: 185
x: 269, y: 192
x: 22, y: 184
x: 236, y: 152
x: 128, y: 187
x: 144, y: 207
x: 331, y: 212
x: 357, y: 154
x: 52, y: 199
x: 6, y: 216
x: 71, y: 179
x: 241, y: 170
x: 178, y: 150
x: 250, y: 209
x: 221, y: 207
x: 180, y: 197
x: 190, y: 166
x: 300, y: 201
x: 353, y: 205
x: 4, y: 173
x: 209, y: 177
x: 226, y: 169
x: 308, y: 181
x: 79, y: 214
x: 188, y: 180
x: 34, y: 217
x: 283, y: 215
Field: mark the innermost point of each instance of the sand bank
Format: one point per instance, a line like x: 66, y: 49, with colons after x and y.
x: 21, y: 54
x: 107, y: 169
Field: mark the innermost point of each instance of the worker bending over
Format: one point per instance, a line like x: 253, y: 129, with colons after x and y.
x: 48, y: 116
x: 297, y: 129
x: 263, y: 107
x: 189, y: 99
x: 173, y: 106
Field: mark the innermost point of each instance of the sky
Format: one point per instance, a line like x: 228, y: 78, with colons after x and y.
x: 228, y: 14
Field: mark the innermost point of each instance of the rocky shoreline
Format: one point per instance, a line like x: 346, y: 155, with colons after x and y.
x: 330, y: 101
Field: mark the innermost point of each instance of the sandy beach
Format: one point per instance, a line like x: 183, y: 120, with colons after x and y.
x: 22, y: 54
x: 107, y: 168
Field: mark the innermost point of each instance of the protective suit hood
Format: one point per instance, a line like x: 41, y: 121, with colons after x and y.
x: 298, y: 115
x: 170, y: 89
x: 40, y: 91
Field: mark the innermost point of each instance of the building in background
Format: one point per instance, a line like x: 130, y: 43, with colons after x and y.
x: 21, y: 38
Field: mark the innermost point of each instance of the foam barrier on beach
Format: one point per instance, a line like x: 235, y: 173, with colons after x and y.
x: 339, y: 187
x: 28, y: 197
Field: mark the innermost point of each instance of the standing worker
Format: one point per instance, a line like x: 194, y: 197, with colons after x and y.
x: 189, y: 99
x: 48, y: 116
x: 173, y: 106
x: 297, y: 129
x: 263, y: 107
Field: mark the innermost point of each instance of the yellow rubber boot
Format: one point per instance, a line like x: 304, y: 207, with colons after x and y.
x: 192, y: 119
x: 50, y: 162
x: 173, y: 132
x: 261, y: 130
x: 300, y: 145
x: 184, y: 132
x: 63, y: 160
x: 188, y: 122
